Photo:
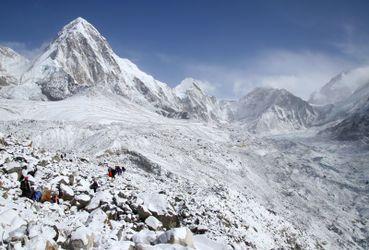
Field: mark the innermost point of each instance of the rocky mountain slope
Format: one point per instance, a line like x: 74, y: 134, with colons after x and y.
x: 122, y: 214
x: 266, y: 109
x: 11, y: 66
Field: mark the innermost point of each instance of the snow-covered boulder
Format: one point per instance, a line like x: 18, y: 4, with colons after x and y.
x: 161, y: 247
x: 47, y: 232
x: 153, y: 223
x: 12, y: 167
x: 39, y: 242
x: 82, y: 238
x: 12, y: 225
x: 144, y: 237
x: 122, y: 245
x: 83, y: 186
x: 60, y: 179
x: 97, y: 219
x: 159, y: 207
x: 182, y: 236
x: 99, y: 197
x: 68, y: 193
x: 18, y: 234
x: 204, y: 243
x: 82, y: 200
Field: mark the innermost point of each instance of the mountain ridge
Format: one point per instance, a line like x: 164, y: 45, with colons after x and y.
x: 80, y: 60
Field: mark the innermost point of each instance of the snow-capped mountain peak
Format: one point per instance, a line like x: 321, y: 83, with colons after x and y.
x: 341, y: 86
x: 188, y: 84
x: 80, y: 58
x: 197, y: 103
x: 79, y: 55
x: 268, y: 109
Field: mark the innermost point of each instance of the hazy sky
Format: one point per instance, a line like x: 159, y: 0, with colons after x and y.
x: 232, y: 45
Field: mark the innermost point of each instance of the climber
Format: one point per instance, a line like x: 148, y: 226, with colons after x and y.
x: 111, y: 172
x: 118, y: 170
x: 60, y: 191
x: 37, y: 195
x: 55, y: 198
x: 94, y: 185
x: 46, y: 195
x: 25, y: 186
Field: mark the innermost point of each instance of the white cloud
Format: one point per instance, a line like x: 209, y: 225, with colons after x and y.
x: 300, y: 72
x: 354, y: 43
x: 24, y: 49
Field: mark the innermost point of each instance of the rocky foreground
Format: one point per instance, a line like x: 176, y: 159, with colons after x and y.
x: 132, y: 211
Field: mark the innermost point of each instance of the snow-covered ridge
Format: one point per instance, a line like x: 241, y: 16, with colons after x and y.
x: 80, y: 61
x: 80, y: 58
x: 198, y: 104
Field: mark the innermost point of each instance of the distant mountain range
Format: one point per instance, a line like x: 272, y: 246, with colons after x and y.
x: 80, y: 60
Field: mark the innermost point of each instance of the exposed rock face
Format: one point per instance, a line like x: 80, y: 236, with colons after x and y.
x: 266, y: 109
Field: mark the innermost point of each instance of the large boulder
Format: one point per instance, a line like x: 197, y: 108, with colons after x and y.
x: 157, y: 205
x: 97, y: 219
x: 204, y: 243
x: 144, y: 237
x: 82, y: 200
x: 122, y: 245
x: 39, y: 242
x: 12, y: 225
x: 181, y: 236
x: 12, y: 167
x: 153, y: 223
x: 161, y: 247
x: 99, y: 198
x: 82, y: 238
x: 68, y: 193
